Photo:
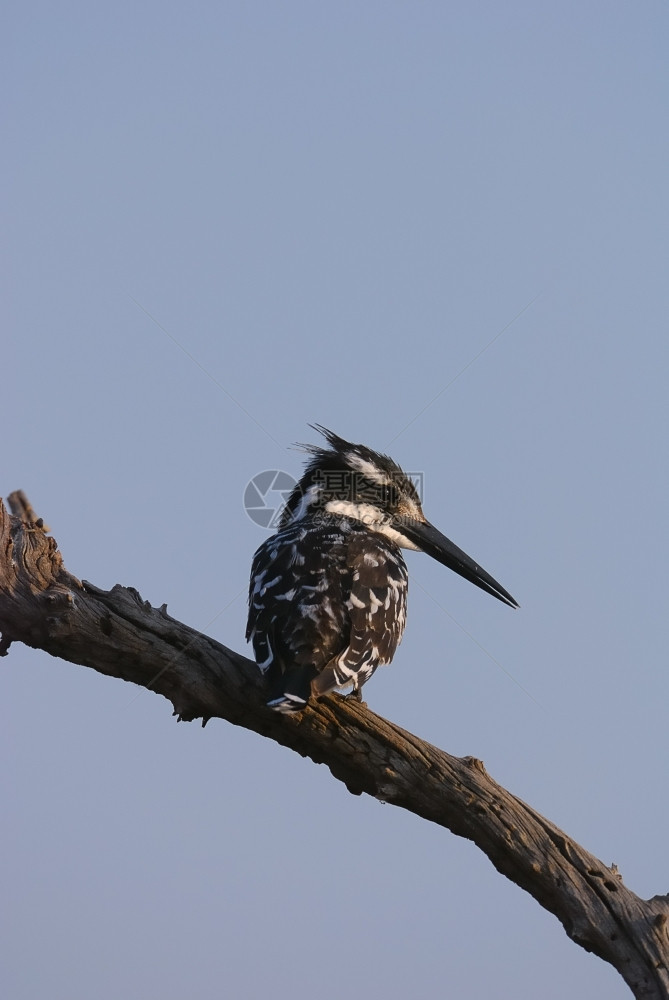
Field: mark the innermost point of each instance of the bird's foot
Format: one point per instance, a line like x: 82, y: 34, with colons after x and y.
x: 354, y: 695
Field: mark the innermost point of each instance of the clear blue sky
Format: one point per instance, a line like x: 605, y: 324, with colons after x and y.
x: 334, y: 208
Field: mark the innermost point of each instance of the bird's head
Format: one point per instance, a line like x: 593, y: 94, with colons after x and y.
x: 352, y: 481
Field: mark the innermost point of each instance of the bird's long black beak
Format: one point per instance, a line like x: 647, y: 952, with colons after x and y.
x: 432, y: 542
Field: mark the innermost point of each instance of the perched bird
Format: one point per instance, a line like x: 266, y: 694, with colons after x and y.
x: 328, y: 592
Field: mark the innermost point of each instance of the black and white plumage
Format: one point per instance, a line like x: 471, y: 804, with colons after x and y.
x: 328, y: 592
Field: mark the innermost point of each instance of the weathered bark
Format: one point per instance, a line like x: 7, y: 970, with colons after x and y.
x: 119, y: 634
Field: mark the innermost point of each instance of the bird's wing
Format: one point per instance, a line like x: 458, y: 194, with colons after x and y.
x: 297, y: 598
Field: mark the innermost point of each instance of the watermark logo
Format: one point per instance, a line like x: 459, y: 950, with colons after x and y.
x: 355, y: 487
x: 265, y: 497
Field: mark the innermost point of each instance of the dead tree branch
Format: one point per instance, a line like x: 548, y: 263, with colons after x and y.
x: 117, y: 633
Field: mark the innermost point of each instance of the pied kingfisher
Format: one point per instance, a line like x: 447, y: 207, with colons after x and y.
x: 327, y: 600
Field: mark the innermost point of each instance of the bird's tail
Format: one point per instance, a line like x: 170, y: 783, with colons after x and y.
x: 292, y: 689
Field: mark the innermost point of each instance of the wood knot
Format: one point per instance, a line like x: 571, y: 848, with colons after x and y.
x: 475, y: 763
x: 608, y: 884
